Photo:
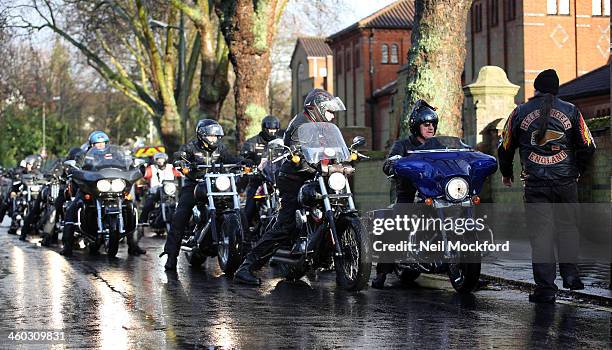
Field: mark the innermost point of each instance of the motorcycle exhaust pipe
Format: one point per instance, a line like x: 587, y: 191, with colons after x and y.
x: 186, y: 249
x: 279, y: 259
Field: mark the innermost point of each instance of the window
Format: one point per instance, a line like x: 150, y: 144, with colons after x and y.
x: 348, y: 60
x: 493, y: 13
x: 394, y: 54
x: 477, y: 18
x: 385, y: 53
x: 357, y: 58
x: 558, y: 7
x: 599, y: 5
x: 509, y: 10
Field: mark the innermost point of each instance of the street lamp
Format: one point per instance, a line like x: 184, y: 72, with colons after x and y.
x: 43, y: 152
x: 182, y: 101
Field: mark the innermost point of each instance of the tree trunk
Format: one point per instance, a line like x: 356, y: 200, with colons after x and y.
x: 436, y: 60
x: 249, y: 27
x: 214, y: 85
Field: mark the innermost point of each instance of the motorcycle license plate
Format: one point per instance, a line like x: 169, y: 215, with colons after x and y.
x: 112, y: 210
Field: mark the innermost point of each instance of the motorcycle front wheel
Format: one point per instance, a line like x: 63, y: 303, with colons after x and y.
x: 464, y: 276
x: 354, y: 266
x: 112, y: 246
x: 229, y: 248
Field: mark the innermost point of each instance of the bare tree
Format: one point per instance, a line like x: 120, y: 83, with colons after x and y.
x: 120, y: 44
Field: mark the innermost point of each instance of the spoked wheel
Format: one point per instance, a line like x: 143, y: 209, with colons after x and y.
x: 354, y: 266
x: 464, y: 276
x: 229, y: 248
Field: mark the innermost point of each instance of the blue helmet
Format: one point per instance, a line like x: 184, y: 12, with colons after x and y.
x: 98, y: 136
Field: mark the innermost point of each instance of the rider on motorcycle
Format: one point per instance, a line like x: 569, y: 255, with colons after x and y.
x: 205, y: 149
x: 423, y: 124
x: 156, y: 174
x: 319, y: 107
x: 30, y: 165
x: 98, y: 140
x: 34, y: 214
x: 253, y: 149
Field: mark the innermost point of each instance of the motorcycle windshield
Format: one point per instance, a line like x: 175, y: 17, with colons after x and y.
x: 109, y: 157
x: 319, y: 141
x: 447, y: 143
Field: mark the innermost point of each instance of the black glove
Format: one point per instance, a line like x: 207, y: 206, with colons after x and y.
x: 247, y: 162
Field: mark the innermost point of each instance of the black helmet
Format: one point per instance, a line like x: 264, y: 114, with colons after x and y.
x: 422, y: 112
x: 209, y: 127
x: 319, y: 101
x: 74, y: 153
x: 268, y: 123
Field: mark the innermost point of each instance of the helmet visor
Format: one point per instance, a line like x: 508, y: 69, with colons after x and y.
x: 334, y: 105
x: 213, y: 130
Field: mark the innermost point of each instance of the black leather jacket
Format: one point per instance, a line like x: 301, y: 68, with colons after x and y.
x: 561, y: 155
x: 404, y: 190
x: 254, y: 147
x: 198, y: 154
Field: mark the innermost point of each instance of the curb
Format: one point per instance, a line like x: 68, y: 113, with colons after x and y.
x: 577, y: 295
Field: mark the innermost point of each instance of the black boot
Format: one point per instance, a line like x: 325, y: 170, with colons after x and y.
x: 573, y: 283
x: 136, y: 250
x: 23, y: 237
x: 244, y: 274
x: 379, y: 281
x: 67, y: 250
x: 171, y: 261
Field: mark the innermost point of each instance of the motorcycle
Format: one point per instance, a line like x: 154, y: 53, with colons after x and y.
x: 108, y: 214
x: 23, y: 199
x: 448, y: 176
x: 160, y: 218
x: 329, y: 227
x: 267, y: 197
x: 220, y: 222
x: 48, y: 224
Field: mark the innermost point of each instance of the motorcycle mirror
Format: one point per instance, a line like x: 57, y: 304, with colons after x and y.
x: 71, y: 163
x: 358, y: 141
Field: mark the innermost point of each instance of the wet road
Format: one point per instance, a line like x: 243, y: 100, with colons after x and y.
x: 131, y: 302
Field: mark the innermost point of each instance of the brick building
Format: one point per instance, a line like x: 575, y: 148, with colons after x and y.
x: 311, y: 66
x: 526, y: 37
x: 367, y: 57
x: 589, y: 92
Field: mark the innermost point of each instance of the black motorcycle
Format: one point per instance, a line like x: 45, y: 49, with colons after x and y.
x: 160, y: 218
x: 48, y: 224
x: 28, y: 188
x: 220, y: 222
x: 267, y: 197
x: 330, y: 230
x: 108, y: 213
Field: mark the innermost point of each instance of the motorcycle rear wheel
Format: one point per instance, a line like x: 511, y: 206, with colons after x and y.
x: 354, y: 266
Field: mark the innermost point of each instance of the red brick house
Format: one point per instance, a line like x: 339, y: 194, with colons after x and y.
x: 367, y: 57
x: 589, y: 92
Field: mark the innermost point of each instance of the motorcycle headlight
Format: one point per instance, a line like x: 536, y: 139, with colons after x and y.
x: 117, y: 185
x: 337, y: 181
x: 457, y: 189
x: 170, y: 189
x: 103, y: 185
x: 222, y: 183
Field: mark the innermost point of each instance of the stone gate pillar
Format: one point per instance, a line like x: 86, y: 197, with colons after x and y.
x: 488, y: 100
